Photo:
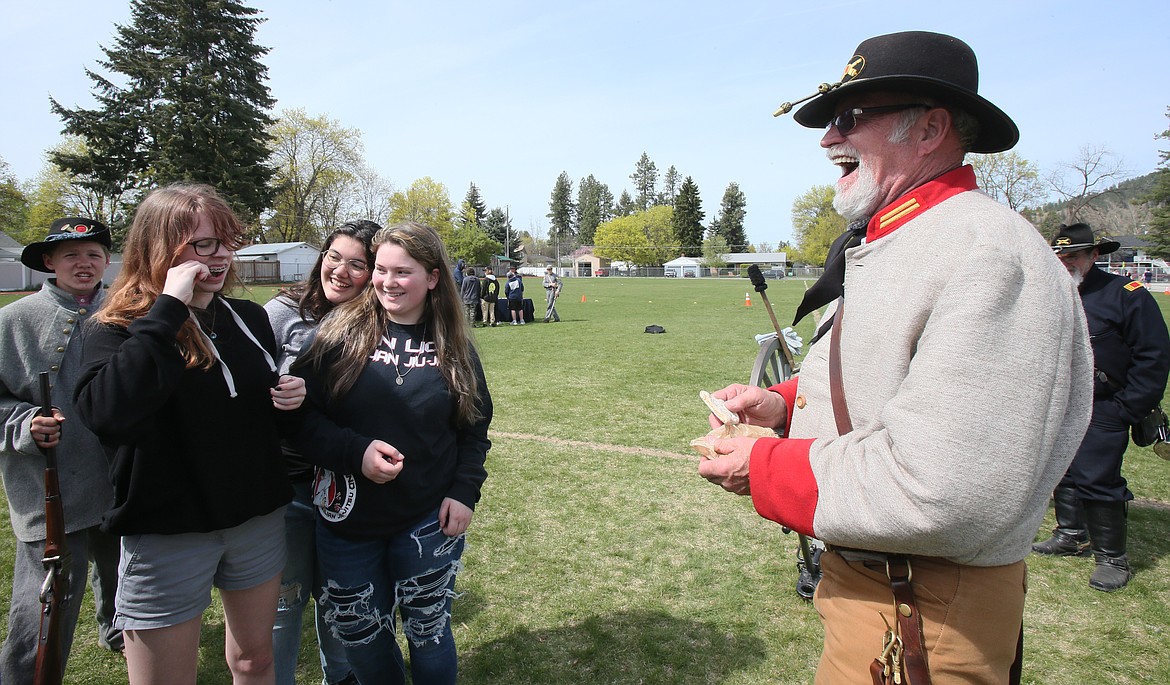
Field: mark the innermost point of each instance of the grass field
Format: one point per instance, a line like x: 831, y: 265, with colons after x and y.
x: 597, y: 555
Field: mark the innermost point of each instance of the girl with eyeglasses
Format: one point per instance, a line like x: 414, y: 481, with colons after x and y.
x: 341, y: 274
x: 180, y: 384
x: 397, y: 418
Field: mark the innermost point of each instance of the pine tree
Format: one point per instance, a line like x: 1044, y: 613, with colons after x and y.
x: 498, y: 225
x: 193, y: 107
x: 729, y: 224
x: 560, y: 213
x: 669, y: 187
x: 475, y: 201
x: 1160, y: 201
x: 688, y: 219
x: 625, y: 205
x: 594, y: 207
x: 645, y: 178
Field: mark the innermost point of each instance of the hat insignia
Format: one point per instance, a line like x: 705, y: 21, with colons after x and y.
x: 853, y: 69
x: 1063, y: 241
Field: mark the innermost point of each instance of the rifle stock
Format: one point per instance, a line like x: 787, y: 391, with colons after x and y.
x: 50, y: 667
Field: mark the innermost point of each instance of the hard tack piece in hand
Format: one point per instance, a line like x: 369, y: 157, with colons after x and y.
x: 731, y: 428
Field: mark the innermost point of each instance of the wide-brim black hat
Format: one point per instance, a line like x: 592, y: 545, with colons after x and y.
x: 69, y: 228
x: 1080, y: 237
x: 917, y: 62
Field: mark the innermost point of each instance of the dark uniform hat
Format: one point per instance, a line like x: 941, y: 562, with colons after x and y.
x: 917, y: 62
x: 1079, y: 237
x: 69, y: 228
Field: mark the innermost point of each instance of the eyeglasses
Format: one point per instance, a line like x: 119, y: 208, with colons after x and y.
x: 846, y: 121
x: 333, y: 259
x: 205, y: 247
x: 1074, y: 254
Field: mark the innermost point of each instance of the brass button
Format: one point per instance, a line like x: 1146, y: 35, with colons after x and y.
x: 60, y: 349
x: 70, y: 320
x: 82, y: 312
x: 904, y: 609
x: 800, y: 402
x: 54, y: 367
x: 66, y: 331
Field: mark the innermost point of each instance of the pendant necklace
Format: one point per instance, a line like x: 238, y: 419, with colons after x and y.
x: 401, y: 375
x: 206, y: 317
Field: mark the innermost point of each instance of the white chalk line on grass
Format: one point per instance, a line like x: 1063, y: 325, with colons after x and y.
x: 647, y: 452
x: 600, y: 447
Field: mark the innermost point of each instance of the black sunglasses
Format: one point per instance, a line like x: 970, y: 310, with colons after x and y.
x: 846, y: 121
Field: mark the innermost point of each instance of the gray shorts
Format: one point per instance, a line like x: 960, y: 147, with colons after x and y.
x: 165, y: 580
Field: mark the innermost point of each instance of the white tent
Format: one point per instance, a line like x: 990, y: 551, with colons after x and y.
x: 683, y: 267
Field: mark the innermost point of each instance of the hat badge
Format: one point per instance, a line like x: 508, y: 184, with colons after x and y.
x: 1063, y: 241
x: 853, y: 69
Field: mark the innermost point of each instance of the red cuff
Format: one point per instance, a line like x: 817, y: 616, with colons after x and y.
x: 787, y: 390
x: 784, y: 489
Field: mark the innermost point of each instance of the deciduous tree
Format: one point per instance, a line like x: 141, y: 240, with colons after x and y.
x: 815, y: 224
x: 316, y: 161
x: 1093, y: 172
x: 13, y: 205
x: 643, y: 238
x: 1009, y: 178
x: 427, y: 202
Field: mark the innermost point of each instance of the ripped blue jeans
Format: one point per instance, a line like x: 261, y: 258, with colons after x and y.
x: 370, y: 583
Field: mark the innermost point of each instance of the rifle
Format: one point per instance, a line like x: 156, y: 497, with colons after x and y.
x: 50, y: 669
x: 809, y: 566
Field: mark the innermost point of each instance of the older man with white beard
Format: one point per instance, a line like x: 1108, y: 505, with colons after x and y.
x: 943, y: 397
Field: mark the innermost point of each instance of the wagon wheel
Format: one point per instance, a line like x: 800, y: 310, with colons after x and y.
x: 771, y: 366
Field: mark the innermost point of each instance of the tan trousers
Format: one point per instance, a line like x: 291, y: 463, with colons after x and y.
x: 971, y: 618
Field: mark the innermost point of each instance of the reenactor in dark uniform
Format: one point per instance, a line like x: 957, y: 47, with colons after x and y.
x: 1131, y: 354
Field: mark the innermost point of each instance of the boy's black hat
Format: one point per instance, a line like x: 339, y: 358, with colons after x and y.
x: 69, y: 228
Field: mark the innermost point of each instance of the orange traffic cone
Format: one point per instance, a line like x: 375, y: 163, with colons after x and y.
x: 747, y: 299
x: 582, y: 298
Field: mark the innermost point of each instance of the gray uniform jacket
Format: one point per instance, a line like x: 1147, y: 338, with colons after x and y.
x: 42, y: 332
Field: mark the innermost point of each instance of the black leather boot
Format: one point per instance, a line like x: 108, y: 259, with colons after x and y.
x: 1107, y: 533
x: 1070, y: 538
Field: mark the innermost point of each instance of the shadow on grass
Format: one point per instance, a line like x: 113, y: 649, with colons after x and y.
x: 622, y: 647
x: 1148, y: 542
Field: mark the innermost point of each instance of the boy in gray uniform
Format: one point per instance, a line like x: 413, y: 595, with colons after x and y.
x: 38, y: 333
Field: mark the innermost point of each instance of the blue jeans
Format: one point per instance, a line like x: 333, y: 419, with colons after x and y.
x: 300, y: 580
x: 369, y: 583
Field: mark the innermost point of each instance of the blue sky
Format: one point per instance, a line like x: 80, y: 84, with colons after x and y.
x: 510, y: 94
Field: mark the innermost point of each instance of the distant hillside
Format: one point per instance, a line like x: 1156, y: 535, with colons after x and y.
x: 1117, y: 211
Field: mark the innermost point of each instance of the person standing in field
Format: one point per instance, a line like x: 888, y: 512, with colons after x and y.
x: 552, y: 289
x: 397, y: 420
x: 1131, y: 358
x: 489, y: 294
x: 43, y: 332
x: 179, y: 383
x: 912, y: 447
x: 341, y: 274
